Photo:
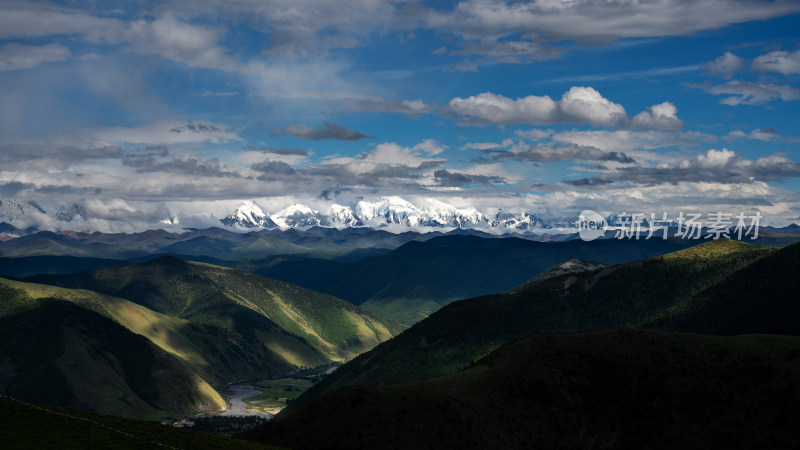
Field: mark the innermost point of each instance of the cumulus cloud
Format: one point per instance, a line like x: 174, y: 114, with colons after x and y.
x: 327, y: 131
x: 18, y: 56
x: 663, y: 116
x: 491, y: 109
x: 586, y: 105
x: 717, y: 166
x: 726, y: 65
x: 787, y: 63
x: 579, y: 105
x: 747, y: 93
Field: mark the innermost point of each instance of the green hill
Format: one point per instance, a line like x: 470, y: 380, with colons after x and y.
x: 635, y: 295
x: 218, y: 325
x: 56, y: 352
x: 25, y: 426
x: 302, y: 327
x: 617, y: 389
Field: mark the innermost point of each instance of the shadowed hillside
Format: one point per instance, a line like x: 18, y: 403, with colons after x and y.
x: 636, y: 294
x: 55, y: 352
x: 613, y: 389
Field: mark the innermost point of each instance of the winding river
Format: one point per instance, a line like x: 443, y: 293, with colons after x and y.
x: 239, y: 393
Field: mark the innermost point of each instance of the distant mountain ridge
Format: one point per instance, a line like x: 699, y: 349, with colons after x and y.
x: 389, y: 212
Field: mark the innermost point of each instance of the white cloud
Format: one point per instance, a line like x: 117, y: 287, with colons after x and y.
x: 787, y: 63
x: 194, y: 45
x: 726, y: 65
x: 378, y: 104
x: 480, y: 146
x: 166, y: 35
x: 747, y: 93
x: 757, y: 134
x: 629, y: 141
x: 578, y: 105
x: 663, y: 116
x: 488, y: 108
x: 316, y: 79
x: 32, y: 20
x: 586, y: 105
x: 713, y: 166
x: 18, y: 56
x: 596, y: 23
x: 535, y: 134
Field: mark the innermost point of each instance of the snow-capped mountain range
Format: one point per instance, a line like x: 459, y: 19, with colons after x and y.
x: 11, y: 210
x: 16, y: 212
x: 387, y: 212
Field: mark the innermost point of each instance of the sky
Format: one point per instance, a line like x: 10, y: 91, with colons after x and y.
x: 145, y: 111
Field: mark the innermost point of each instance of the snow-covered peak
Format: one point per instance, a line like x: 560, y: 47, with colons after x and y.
x: 341, y: 216
x: 439, y: 213
x: 517, y: 220
x: 11, y: 210
x: 387, y: 212
x: 299, y: 216
x: 249, y: 215
x: 70, y: 213
x: 391, y: 210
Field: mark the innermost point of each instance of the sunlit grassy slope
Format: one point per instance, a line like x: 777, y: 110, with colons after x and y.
x: 661, y: 292
x: 57, y: 352
x: 302, y: 326
x: 218, y: 325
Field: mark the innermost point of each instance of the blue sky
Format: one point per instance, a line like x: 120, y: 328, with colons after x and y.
x: 140, y: 111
